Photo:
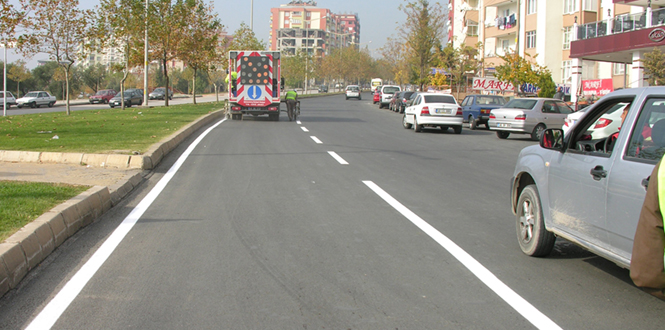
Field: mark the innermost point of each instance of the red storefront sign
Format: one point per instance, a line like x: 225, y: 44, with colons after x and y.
x: 597, y: 87
x: 490, y: 84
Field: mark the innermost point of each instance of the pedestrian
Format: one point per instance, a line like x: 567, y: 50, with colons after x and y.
x: 234, y: 80
x: 559, y: 93
x: 291, y: 100
x: 647, y: 264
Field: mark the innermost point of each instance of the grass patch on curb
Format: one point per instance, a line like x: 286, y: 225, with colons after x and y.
x: 128, y: 131
x: 23, y: 202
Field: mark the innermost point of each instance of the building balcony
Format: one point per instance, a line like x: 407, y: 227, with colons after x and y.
x: 616, y: 39
x: 497, y: 3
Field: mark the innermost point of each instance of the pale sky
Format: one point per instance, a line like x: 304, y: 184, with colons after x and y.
x: 378, y: 18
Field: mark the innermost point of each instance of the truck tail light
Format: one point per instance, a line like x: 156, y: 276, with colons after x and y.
x: 236, y: 108
x: 602, y: 123
x: 459, y: 112
x: 272, y: 108
x: 520, y: 117
x: 424, y: 111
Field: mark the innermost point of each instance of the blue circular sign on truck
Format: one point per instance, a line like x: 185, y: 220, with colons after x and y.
x: 254, y: 92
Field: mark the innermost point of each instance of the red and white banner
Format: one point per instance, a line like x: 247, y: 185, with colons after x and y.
x: 597, y: 87
x: 491, y: 84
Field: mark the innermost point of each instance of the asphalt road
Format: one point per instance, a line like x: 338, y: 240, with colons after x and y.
x: 262, y: 228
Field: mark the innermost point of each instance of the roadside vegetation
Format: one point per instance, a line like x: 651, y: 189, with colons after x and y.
x: 129, y: 131
x: 23, y: 202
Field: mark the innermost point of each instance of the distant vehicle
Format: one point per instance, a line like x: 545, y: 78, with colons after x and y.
x: 433, y: 110
x: 528, y: 116
x: 387, y: 92
x: 391, y: 105
x: 132, y: 97
x: 376, y: 82
x: 353, y: 91
x: 323, y: 89
x: 102, y: 96
x: 577, y: 188
x: 257, y: 91
x: 606, y: 125
x: 160, y: 93
x: 476, y: 108
x: 36, y: 99
x: 10, y: 99
x: 400, y: 103
x: 376, y: 95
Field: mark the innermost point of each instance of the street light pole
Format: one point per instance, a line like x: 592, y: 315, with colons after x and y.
x: 4, y: 94
x: 145, y: 60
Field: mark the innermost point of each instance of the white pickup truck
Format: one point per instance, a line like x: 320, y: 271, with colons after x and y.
x: 36, y: 99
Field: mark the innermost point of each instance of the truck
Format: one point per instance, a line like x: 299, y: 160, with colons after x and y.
x: 256, y: 88
x: 36, y: 99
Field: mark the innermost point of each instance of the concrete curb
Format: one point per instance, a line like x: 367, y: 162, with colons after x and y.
x: 28, y: 247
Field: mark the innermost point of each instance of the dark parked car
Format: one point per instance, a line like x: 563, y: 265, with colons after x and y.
x: 323, y: 89
x: 476, y: 108
x: 132, y: 97
x: 102, y: 96
x: 159, y: 93
x: 401, y: 99
x: 391, y: 105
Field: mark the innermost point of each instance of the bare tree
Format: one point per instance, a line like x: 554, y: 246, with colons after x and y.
x: 60, y: 29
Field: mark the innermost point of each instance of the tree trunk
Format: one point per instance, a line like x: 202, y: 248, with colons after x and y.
x: 67, y: 88
x: 216, y: 91
x: 194, y: 87
x: 166, y: 78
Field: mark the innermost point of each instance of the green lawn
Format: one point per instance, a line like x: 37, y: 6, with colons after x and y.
x: 128, y: 131
x: 23, y: 202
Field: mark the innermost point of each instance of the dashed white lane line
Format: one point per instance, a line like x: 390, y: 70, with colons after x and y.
x: 338, y: 158
x: 316, y: 140
x: 298, y: 122
x: 518, y: 303
x: 304, y: 129
x: 52, y: 312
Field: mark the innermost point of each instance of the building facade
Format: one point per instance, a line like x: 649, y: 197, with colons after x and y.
x: 301, y: 25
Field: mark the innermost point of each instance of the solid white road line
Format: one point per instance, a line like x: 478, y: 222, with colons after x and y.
x: 52, y: 312
x: 338, y: 158
x: 518, y: 303
x: 304, y: 129
x: 316, y: 139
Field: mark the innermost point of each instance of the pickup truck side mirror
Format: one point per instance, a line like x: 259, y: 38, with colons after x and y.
x: 552, y: 139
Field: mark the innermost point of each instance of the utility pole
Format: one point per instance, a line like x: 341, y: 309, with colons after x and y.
x: 145, y: 60
x: 251, y: 17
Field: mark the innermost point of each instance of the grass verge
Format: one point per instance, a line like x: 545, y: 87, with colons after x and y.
x: 23, y: 202
x: 129, y: 131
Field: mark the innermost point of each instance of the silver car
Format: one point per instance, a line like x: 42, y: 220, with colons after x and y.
x: 590, y: 191
x: 528, y: 116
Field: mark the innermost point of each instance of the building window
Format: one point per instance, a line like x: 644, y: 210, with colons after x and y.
x: 619, y: 69
x: 473, y: 4
x: 530, y: 7
x: 531, y: 39
x: 566, y: 68
x: 590, y: 5
x: 472, y: 28
x: 569, y: 6
x: 567, y: 35
x: 286, y: 14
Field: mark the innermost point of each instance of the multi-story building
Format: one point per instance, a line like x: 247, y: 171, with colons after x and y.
x: 301, y: 25
x: 577, y: 40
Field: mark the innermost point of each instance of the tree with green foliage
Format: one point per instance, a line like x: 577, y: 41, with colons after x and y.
x: 518, y: 71
x: 245, y: 39
x: 546, y: 84
x: 93, y: 76
x: 58, y: 28
x: 18, y: 73
x: 421, y: 33
x: 654, y: 67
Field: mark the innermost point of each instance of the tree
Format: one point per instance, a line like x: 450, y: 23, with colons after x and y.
x: 517, y: 70
x: 395, y: 52
x: 245, y: 39
x: 201, y: 34
x: 60, y: 29
x: 546, y: 84
x: 654, y: 66
x: 18, y: 73
x: 93, y: 76
x: 421, y: 32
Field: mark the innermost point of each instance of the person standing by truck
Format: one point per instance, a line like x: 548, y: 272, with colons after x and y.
x: 291, y: 100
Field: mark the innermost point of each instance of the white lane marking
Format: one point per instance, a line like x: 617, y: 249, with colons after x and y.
x: 316, y: 140
x: 298, y: 122
x: 52, y: 312
x: 304, y: 129
x: 518, y: 303
x: 338, y: 158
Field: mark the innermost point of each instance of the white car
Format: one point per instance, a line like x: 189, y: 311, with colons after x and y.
x: 606, y: 125
x: 36, y: 99
x: 387, y: 92
x: 353, y: 91
x: 10, y: 99
x: 433, y: 110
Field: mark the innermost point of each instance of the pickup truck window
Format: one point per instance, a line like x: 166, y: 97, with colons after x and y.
x: 603, y: 144
x: 647, y: 141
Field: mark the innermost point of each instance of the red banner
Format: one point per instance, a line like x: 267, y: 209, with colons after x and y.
x: 597, y: 87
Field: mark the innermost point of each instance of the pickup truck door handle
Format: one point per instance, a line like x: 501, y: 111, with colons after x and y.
x: 598, y: 173
x: 645, y: 182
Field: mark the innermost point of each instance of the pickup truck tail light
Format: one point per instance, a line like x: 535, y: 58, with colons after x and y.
x: 602, y: 123
x: 520, y: 117
x: 459, y: 112
x: 424, y: 111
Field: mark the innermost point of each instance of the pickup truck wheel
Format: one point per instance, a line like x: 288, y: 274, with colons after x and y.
x: 472, y: 123
x: 537, y: 132
x: 502, y: 135
x: 405, y: 124
x: 533, y: 237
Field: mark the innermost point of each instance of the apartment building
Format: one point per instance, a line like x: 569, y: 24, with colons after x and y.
x: 558, y: 34
x: 301, y: 25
